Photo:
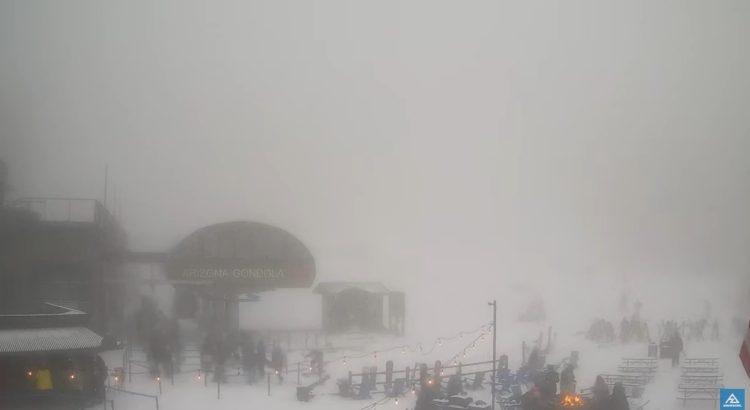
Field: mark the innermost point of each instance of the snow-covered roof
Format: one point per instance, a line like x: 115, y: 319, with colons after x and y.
x: 48, y: 339
x: 338, y: 287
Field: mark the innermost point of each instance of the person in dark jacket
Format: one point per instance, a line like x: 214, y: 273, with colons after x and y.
x: 260, y: 358
x: 548, y: 383
x: 248, y: 359
x: 568, y: 379
x: 618, y: 400
x: 600, y: 391
x: 677, y: 347
x: 278, y: 360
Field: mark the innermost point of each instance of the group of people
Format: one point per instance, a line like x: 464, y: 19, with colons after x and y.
x: 218, y: 348
x: 692, y: 329
x: 160, y: 336
x: 602, y: 399
x: 601, y: 331
x: 631, y: 330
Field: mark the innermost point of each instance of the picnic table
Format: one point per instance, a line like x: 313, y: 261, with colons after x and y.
x: 639, y: 361
x: 693, y: 370
x: 625, y: 379
x: 701, y: 379
x: 701, y: 361
x: 694, y: 392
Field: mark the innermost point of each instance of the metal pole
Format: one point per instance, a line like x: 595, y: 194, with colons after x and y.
x: 494, y: 349
x: 269, y: 384
x: 218, y: 388
x: 157, y: 402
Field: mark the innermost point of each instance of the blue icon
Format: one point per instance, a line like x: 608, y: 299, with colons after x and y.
x: 732, y: 399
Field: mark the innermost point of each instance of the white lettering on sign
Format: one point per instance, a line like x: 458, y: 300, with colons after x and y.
x: 245, y: 273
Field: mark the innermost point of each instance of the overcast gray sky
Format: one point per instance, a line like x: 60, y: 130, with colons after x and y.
x: 400, y: 141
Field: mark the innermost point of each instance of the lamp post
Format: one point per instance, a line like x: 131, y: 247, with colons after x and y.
x: 494, y: 347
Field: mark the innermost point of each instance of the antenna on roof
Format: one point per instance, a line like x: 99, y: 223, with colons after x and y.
x: 106, y: 177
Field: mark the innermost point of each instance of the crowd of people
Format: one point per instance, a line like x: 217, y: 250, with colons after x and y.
x: 245, y: 348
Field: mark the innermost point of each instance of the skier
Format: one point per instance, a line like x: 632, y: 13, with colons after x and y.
x: 624, y: 330
x: 260, y: 358
x: 99, y: 377
x: 278, y: 359
x: 249, y: 359
x: 677, y: 347
x: 600, y: 391
x: 715, y: 330
x: 428, y: 391
x: 568, y: 379
x: 316, y: 361
x: 618, y: 400
x: 548, y: 383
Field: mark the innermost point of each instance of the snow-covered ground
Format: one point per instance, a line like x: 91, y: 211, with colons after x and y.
x: 189, y: 392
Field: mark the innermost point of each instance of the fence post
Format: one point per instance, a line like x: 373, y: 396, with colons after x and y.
x: 269, y: 384
x: 523, y: 352
x: 406, y: 378
x: 350, y: 380
x: 218, y: 388
x: 299, y: 370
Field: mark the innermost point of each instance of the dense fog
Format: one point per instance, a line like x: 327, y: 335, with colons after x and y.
x: 589, y: 156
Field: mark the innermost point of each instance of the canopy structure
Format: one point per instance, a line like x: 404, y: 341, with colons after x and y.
x: 241, y: 256
x: 328, y: 288
x: 361, y: 306
x: 48, y: 340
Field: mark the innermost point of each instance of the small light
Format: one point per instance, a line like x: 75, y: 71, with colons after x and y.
x: 397, y: 400
x: 72, y: 376
x: 29, y: 373
x: 117, y: 378
x: 158, y: 379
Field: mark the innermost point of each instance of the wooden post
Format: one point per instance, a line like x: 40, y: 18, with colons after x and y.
x: 373, y: 377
